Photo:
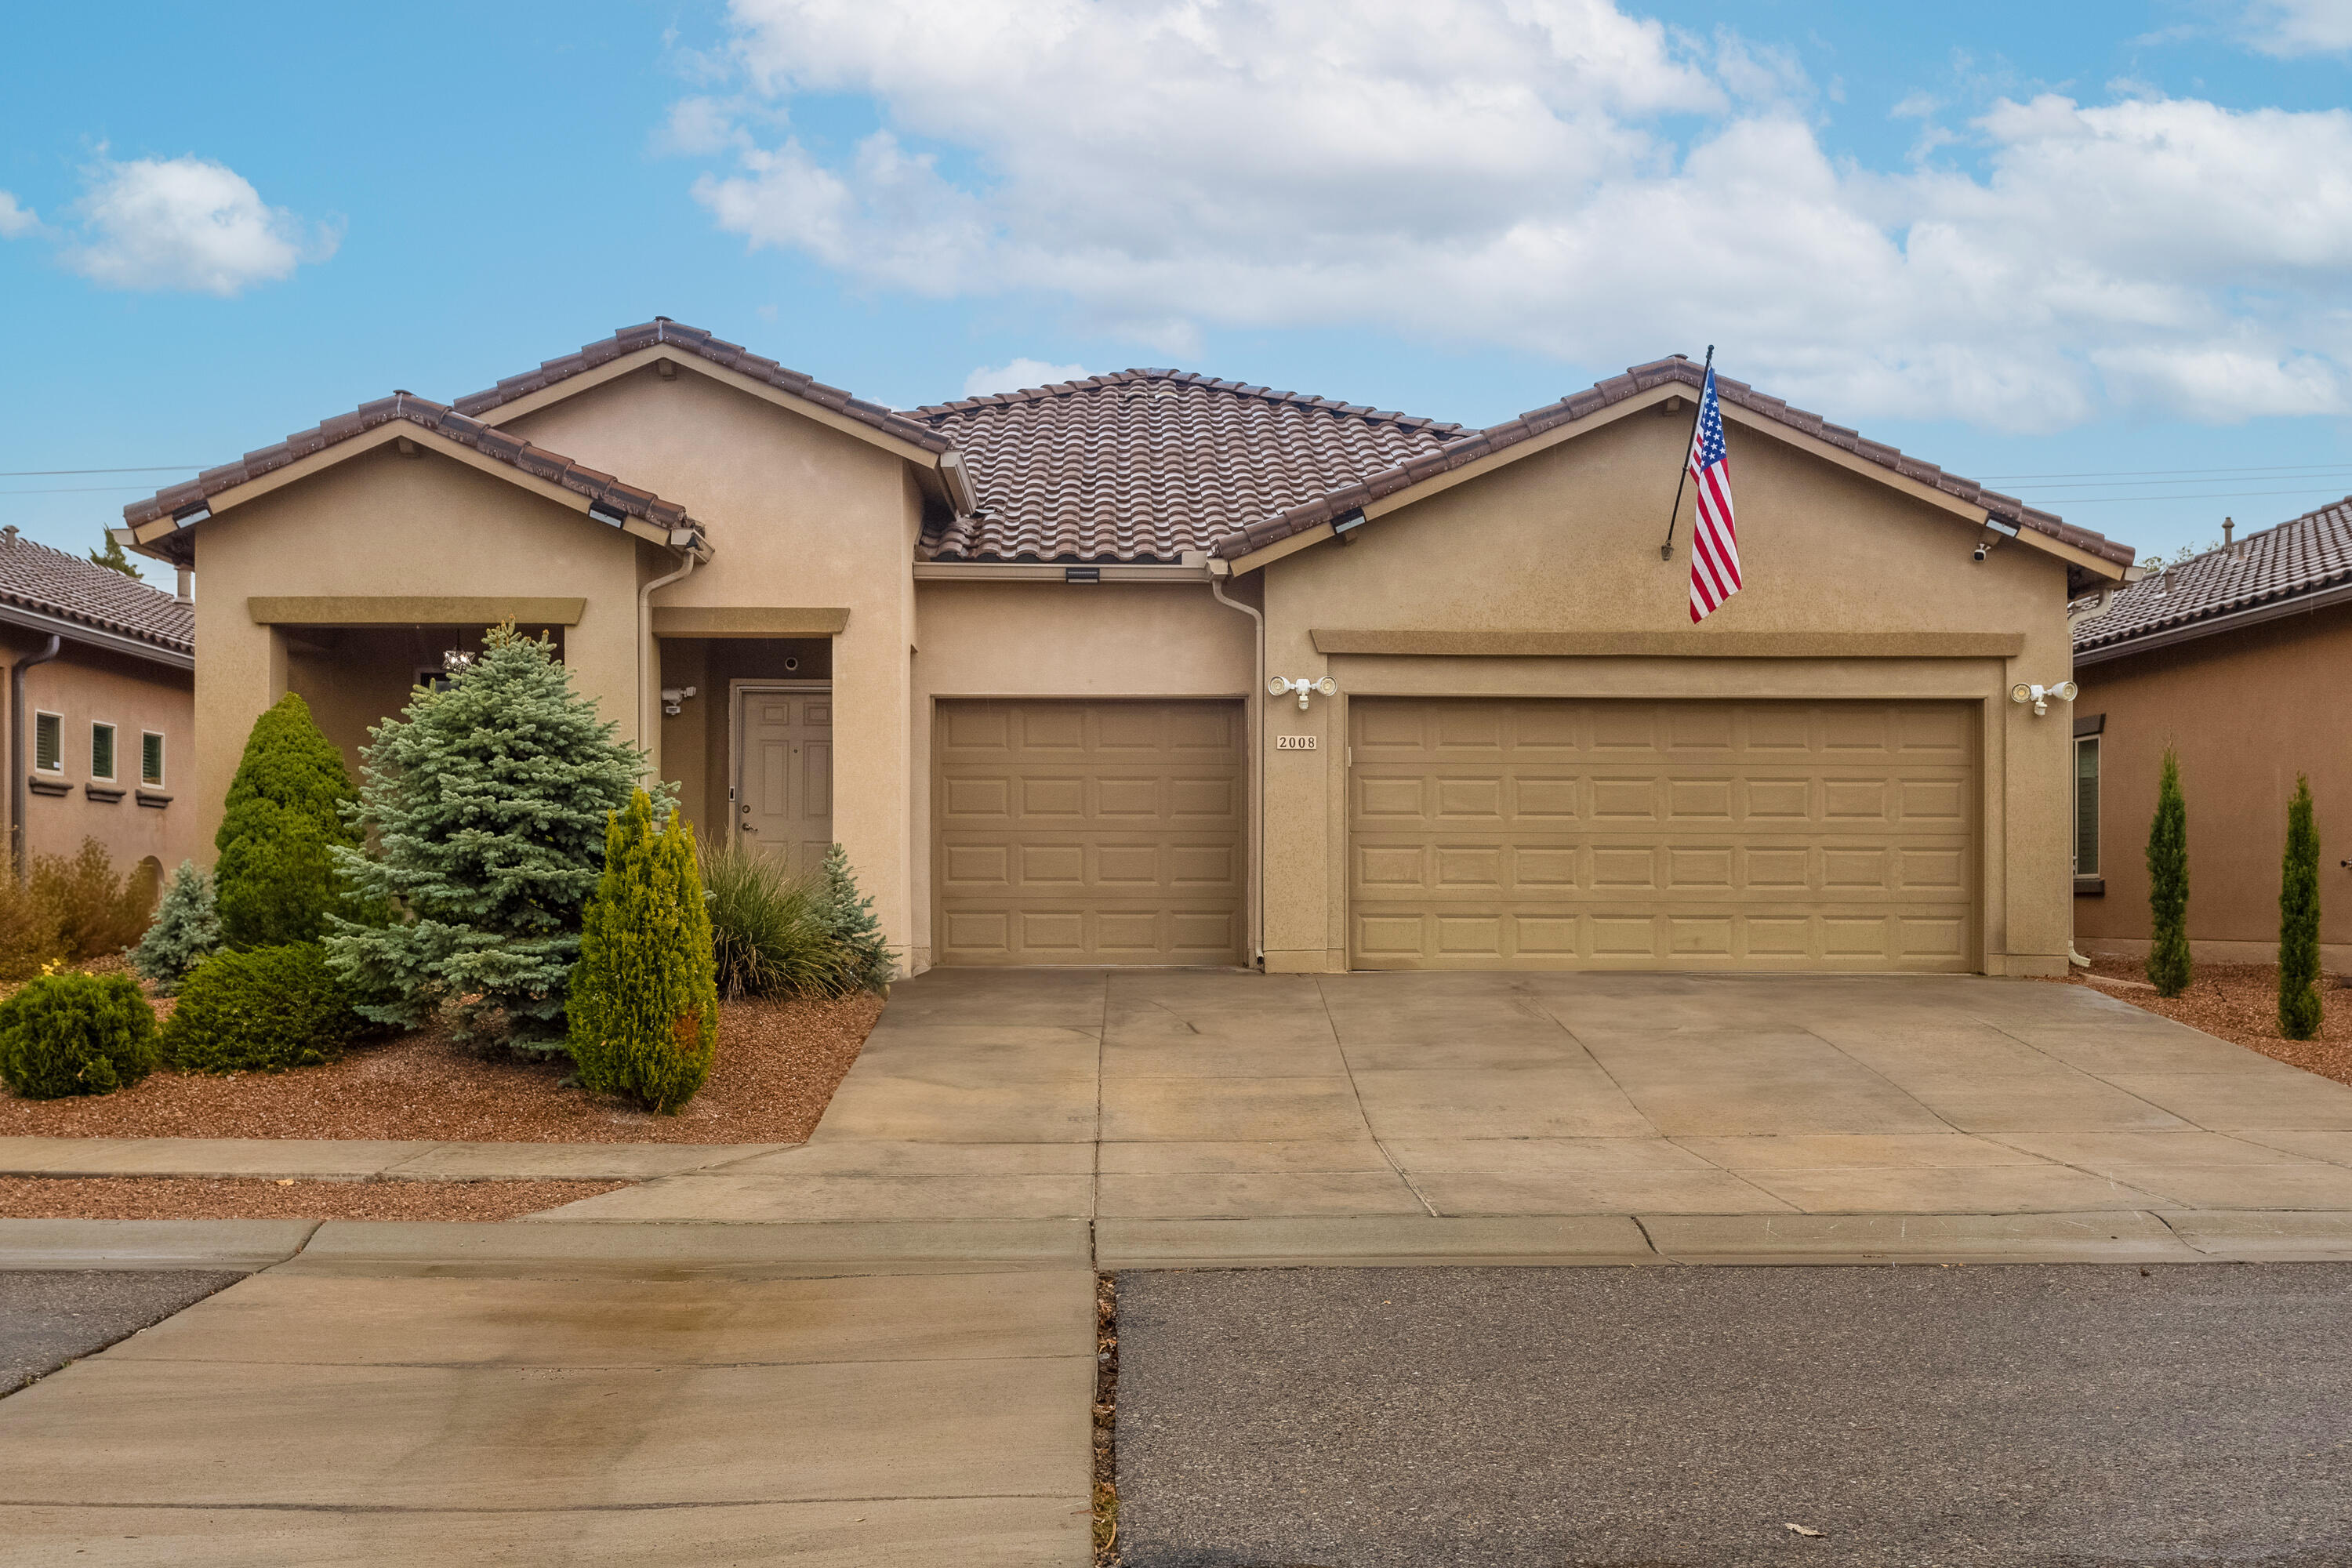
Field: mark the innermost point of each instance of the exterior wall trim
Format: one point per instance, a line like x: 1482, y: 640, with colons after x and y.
x: 412, y: 610
x: 747, y: 621
x: 1671, y: 645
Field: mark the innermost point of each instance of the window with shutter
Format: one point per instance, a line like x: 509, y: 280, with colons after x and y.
x: 2086, y: 806
x: 49, y: 743
x: 151, y: 759
x: 101, y: 751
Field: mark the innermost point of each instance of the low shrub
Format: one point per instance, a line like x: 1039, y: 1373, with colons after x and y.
x: 768, y: 930
x: 29, y: 938
x: 643, y: 1008
x: 77, y: 1034
x: 263, y: 1010
x: 188, y: 930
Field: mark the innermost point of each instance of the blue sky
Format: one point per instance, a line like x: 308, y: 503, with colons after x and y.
x: 2102, y: 245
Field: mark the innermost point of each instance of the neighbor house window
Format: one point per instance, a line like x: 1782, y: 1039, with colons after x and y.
x: 102, y: 752
x: 49, y: 743
x: 2086, y: 806
x: 151, y: 759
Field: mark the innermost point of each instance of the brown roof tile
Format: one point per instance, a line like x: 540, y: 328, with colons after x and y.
x: 2304, y: 556
x: 734, y: 356
x: 426, y: 415
x: 35, y: 577
x: 1144, y: 465
x: 1274, y: 527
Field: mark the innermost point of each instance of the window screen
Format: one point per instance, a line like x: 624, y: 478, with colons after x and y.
x: 49, y: 743
x: 151, y: 759
x: 101, y: 751
x: 2086, y: 807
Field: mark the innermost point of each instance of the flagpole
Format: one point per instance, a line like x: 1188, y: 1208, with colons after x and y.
x: 1666, y: 550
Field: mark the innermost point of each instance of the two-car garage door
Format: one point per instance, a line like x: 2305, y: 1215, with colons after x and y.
x: 1544, y: 834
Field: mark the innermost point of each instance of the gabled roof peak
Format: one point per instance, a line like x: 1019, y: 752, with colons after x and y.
x: 1148, y: 379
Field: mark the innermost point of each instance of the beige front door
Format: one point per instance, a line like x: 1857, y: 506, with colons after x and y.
x: 783, y: 773
x: 1088, y: 832
x: 1550, y: 834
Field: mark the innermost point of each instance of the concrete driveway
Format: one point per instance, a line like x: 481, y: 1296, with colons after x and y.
x: 1157, y: 1098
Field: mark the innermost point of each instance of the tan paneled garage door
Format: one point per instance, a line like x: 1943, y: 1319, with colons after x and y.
x: 1607, y: 835
x: 1088, y: 832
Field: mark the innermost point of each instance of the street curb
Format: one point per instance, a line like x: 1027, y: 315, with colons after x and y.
x: 223, y: 1243
x: 661, y: 1250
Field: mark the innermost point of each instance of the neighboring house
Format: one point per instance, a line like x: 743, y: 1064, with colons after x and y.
x: 101, y: 705
x: 2233, y: 658
x: 1013, y: 653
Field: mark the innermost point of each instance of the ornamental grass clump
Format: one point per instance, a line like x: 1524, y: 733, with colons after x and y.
x: 767, y: 933
x: 487, y: 801
x: 275, y: 880
x: 2299, y: 1008
x: 77, y: 1034
x: 264, y: 1010
x: 2168, y: 884
x: 188, y: 930
x: 645, y: 1005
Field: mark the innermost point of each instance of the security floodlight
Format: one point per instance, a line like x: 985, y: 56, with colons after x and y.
x: 2039, y: 696
x: 1306, y: 686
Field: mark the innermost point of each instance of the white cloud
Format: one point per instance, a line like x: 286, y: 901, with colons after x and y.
x: 1526, y: 173
x: 2288, y: 27
x: 1019, y: 377
x: 186, y: 224
x: 17, y: 221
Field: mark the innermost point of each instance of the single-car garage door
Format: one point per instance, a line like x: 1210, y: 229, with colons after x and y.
x: 1548, y: 834
x: 1081, y: 832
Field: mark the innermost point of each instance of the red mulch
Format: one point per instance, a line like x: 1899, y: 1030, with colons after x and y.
x: 2239, y: 1002
x: 777, y: 1064
x: 176, y: 1197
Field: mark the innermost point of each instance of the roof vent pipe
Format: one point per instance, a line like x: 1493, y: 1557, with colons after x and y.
x: 2229, y: 543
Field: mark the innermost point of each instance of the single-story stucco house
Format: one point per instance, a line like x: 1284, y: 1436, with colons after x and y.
x: 101, y: 710
x: 2232, y: 658
x: 1014, y: 652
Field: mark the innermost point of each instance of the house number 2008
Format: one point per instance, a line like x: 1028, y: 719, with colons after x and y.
x: 1294, y: 743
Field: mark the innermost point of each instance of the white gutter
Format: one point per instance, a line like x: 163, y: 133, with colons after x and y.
x: 1055, y: 571
x: 649, y: 713
x: 1256, y: 710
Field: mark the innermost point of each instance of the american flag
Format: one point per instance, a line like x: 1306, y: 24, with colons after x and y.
x: 1715, y: 541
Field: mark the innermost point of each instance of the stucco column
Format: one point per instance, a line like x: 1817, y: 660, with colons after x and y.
x: 1305, y: 924
x: 872, y: 764
x: 241, y: 674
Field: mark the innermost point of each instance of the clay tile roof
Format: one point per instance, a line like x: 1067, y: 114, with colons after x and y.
x: 1273, y: 526
x: 35, y: 577
x: 1146, y: 464
x: 734, y: 356
x: 2301, y: 557
x: 426, y: 415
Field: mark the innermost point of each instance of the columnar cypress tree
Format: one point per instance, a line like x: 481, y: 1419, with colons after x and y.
x: 2168, y: 884
x: 644, y: 1003
x: 276, y: 878
x: 489, y: 801
x: 2298, y: 998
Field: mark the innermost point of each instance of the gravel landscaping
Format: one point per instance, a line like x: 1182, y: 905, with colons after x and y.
x: 2239, y: 1003
x: 180, y: 1197
x: 778, y: 1063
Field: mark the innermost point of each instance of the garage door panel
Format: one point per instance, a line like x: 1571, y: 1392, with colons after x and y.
x: 1089, y: 833
x: 1774, y: 836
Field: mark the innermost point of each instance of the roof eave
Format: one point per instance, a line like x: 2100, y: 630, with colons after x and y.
x: 2212, y: 625
x: 60, y: 624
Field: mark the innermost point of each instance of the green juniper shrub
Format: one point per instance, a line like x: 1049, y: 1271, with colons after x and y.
x: 275, y: 880
x: 77, y: 1034
x: 261, y: 1009
x: 187, y: 928
x: 849, y: 916
x: 2168, y: 884
x: 644, y: 1005
x: 488, y: 801
x: 2299, y: 1008
x: 768, y: 937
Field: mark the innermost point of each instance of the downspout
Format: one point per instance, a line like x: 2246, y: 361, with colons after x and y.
x: 649, y: 713
x: 17, y: 761
x: 1257, y: 779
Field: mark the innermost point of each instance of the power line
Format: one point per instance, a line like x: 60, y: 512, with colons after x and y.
x: 2218, y: 495
x: 54, y: 473
x: 75, y: 490
x: 2277, y: 470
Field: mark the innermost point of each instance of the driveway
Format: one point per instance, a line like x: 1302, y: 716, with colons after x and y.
x: 1155, y: 1100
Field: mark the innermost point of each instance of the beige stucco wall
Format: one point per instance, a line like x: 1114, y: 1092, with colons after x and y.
x: 384, y: 524
x: 84, y: 685
x: 2206, y: 698
x: 1567, y: 540
x: 799, y: 514
x: 1059, y: 640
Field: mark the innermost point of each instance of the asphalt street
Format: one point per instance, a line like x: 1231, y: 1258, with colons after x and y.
x: 49, y: 1317
x: 2060, y: 1417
